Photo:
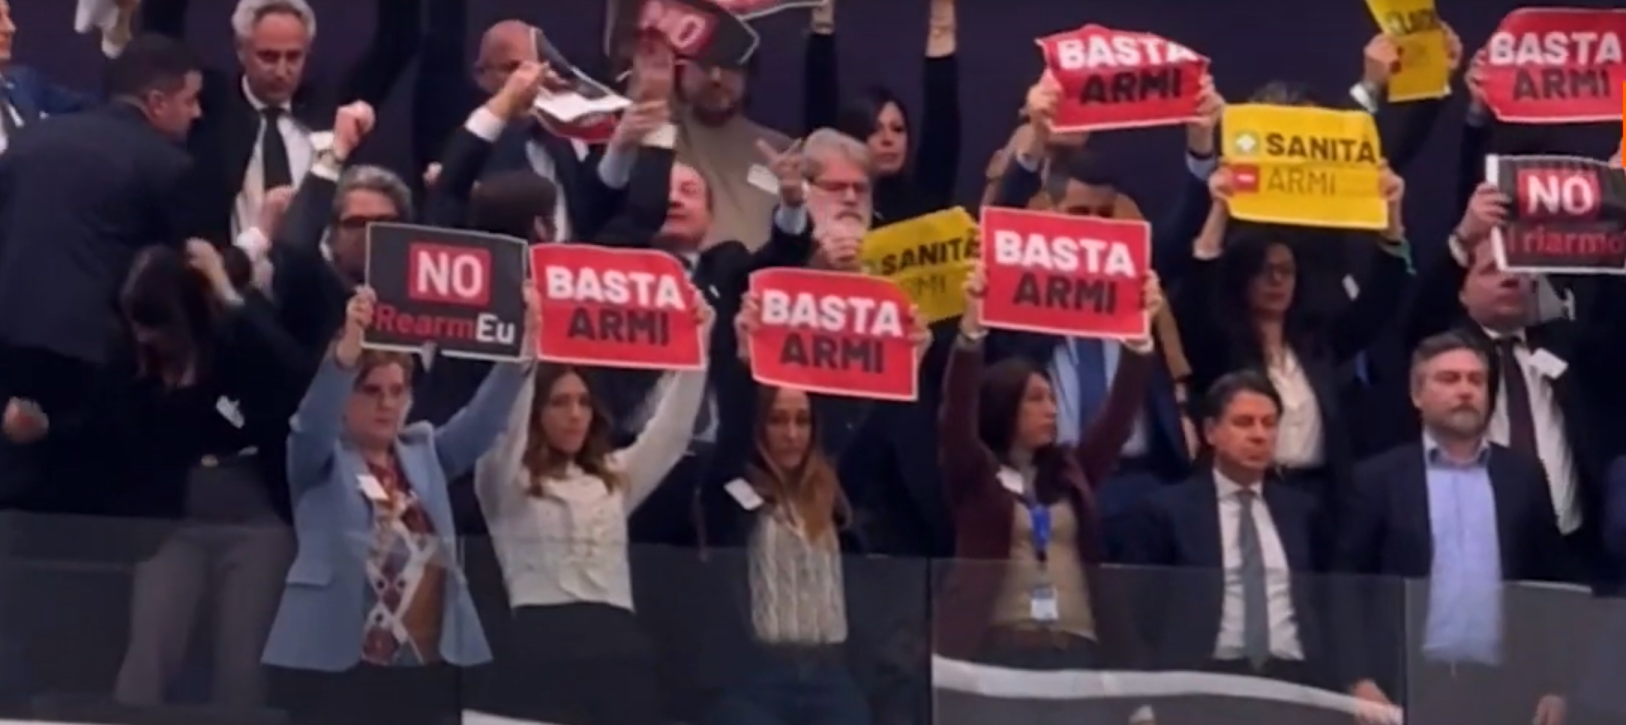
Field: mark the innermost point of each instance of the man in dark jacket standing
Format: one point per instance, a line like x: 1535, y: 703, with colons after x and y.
x: 79, y: 196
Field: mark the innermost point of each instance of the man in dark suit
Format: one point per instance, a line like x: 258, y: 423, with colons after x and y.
x: 445, y: 92
x: 1466, y: 515
x: 264, y: 123
x: 25, y: 95
x: 79, y: 196
x: 1555, y: 384
x: 1238, y: 552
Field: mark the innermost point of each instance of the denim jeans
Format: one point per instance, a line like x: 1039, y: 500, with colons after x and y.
x: 790, y: 687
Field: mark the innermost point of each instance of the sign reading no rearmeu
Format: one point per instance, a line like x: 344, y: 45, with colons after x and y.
x: 462, y: 292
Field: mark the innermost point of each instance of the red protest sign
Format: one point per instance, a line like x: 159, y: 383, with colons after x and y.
x: 1116, y: 79
x: 621, y: 308
x: 833, y: 333
x: 1556, y: 65
x: 1059, y: 274
x: 1568, y: 215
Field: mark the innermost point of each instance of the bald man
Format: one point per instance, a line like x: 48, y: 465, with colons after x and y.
x: 502, y: 48
x: 446, y: 93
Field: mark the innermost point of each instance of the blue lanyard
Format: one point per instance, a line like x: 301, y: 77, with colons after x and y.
x: 1040, y: 515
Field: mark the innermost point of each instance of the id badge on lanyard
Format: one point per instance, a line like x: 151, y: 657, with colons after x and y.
x: 1042, y: 604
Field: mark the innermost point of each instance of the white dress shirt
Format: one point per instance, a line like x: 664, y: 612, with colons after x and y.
x: 246, y: 212
x: 570, y: 544
x: 1552, y: 443
x: 1284, y: 630
x: 1299, y: 438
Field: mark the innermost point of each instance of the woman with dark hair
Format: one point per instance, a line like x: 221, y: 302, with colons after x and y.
x: 556, y: 496
x: 1242, y: 307
x: 205, y: 378
x: 908, y: 183
x: 1021, y: 499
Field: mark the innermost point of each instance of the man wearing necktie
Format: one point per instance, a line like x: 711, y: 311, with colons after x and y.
x: 264, y: 122
x: 1550, y: 380
x: 1259, y: 616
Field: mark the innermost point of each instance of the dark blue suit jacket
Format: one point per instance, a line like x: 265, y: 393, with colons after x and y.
x: 1386, y: 537
x: 1176, y: 529
x: 34, y: 97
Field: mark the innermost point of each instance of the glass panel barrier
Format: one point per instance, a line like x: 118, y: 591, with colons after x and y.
x: 134, y: 622
x: 1126, y: 645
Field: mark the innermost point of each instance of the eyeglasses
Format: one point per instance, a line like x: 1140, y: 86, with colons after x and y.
x: 856, y: 188
x: 357, y: 223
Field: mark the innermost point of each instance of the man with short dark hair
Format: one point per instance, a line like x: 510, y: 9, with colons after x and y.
x: 79, y: 196
x: 1259, y: 616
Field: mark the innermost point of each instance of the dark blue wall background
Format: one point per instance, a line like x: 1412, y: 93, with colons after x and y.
x: 1250, y: 41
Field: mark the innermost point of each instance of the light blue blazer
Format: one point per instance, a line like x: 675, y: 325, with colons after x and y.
x: 319, y: 622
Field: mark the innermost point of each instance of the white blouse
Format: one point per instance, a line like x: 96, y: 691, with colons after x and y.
x: 570, y: 544
x: 1299, y: 437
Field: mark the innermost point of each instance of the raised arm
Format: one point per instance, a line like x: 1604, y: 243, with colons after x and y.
x: 664, y: 439
x: 397, y: 30
x: 473, y: 430
x: 1101, y: 444
x: 967, y: 463
x: 476, y: 428
x: 1385, y: 284
x: 469, y: 146
x: 821, y: 89
x: 666, y: 436
x: 442, y: 91
x: 313, y: 433
x: 499, y: 473
x: 937, y: 156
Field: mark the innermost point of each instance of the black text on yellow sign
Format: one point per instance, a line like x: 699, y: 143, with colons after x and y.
x: 1305, y: 166
x: 928, y: 257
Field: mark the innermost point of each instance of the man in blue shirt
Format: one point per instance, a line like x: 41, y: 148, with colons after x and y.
x: 1465, y: 516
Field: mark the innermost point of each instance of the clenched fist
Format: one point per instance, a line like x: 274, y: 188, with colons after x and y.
x: 350, y: 125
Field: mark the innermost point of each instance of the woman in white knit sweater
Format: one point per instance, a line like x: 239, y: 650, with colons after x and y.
x: 556, y: 498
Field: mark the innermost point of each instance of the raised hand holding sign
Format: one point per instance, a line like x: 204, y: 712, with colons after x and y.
x: 625, y: 308
x: 460, y: 291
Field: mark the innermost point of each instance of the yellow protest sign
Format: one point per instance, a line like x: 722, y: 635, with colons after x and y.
x: 1312, y: 167
x: 1425, y: 65
x: 928, y: 256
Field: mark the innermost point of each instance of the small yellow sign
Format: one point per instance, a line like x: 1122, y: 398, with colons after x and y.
x: 1311, y: 167
x: 928, y: 256
x: 1425, y: 63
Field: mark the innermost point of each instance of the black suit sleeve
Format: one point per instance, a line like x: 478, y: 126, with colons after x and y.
x: 164, y: 17
x: 1355, y: 563
x: 641, y: 207
x: 175, y: 220
x: 599, y: 203
x: 1147, y: 539
x: 1435, y: 306
x: 1546, y: 557
x: 398, y: 25
x: 307, y: 288
x: 1405, y: 128
x: 460, y: 168
x: 1361, y: 322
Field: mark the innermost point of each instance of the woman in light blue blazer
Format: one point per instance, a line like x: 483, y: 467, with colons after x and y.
x: 376, y: 618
